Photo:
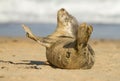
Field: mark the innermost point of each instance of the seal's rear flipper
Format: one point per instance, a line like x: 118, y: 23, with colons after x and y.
x: 30, y: 35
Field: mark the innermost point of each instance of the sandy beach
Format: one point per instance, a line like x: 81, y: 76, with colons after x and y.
x: 22, y: 59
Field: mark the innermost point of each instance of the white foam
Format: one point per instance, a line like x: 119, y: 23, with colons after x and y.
x: 95, y: 11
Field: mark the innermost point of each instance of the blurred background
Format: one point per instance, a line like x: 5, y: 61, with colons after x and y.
x: 40, y: 16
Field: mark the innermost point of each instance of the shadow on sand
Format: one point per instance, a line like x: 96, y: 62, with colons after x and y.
x: 26, y: 62
x: 30, y: 63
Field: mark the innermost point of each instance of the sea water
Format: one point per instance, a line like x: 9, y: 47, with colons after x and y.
x: 100, y: 31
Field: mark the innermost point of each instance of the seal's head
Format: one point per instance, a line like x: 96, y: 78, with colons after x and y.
x: 67, y: 22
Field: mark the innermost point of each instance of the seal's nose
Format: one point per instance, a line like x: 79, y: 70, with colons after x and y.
x: 62, y: 9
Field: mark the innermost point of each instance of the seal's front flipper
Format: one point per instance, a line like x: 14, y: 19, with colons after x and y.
x: 84, y: 32
x: 42, y: 41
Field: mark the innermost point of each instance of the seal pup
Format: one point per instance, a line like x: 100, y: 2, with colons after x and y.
x: 67, y: 51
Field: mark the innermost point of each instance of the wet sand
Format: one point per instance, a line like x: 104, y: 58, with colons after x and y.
x: 22, y: 59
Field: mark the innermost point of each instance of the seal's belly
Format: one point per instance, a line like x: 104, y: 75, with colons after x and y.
x: 63, y: 54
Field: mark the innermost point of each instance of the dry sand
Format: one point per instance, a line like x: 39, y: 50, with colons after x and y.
x: 22, y: 59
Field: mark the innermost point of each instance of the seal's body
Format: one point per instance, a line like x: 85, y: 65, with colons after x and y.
x: 69, y: 53
x: 68, y: 46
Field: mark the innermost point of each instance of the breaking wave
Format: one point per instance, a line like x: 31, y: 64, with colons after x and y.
x: 92, y: 11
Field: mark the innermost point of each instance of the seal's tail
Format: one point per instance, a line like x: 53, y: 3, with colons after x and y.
x: 30, y: 35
